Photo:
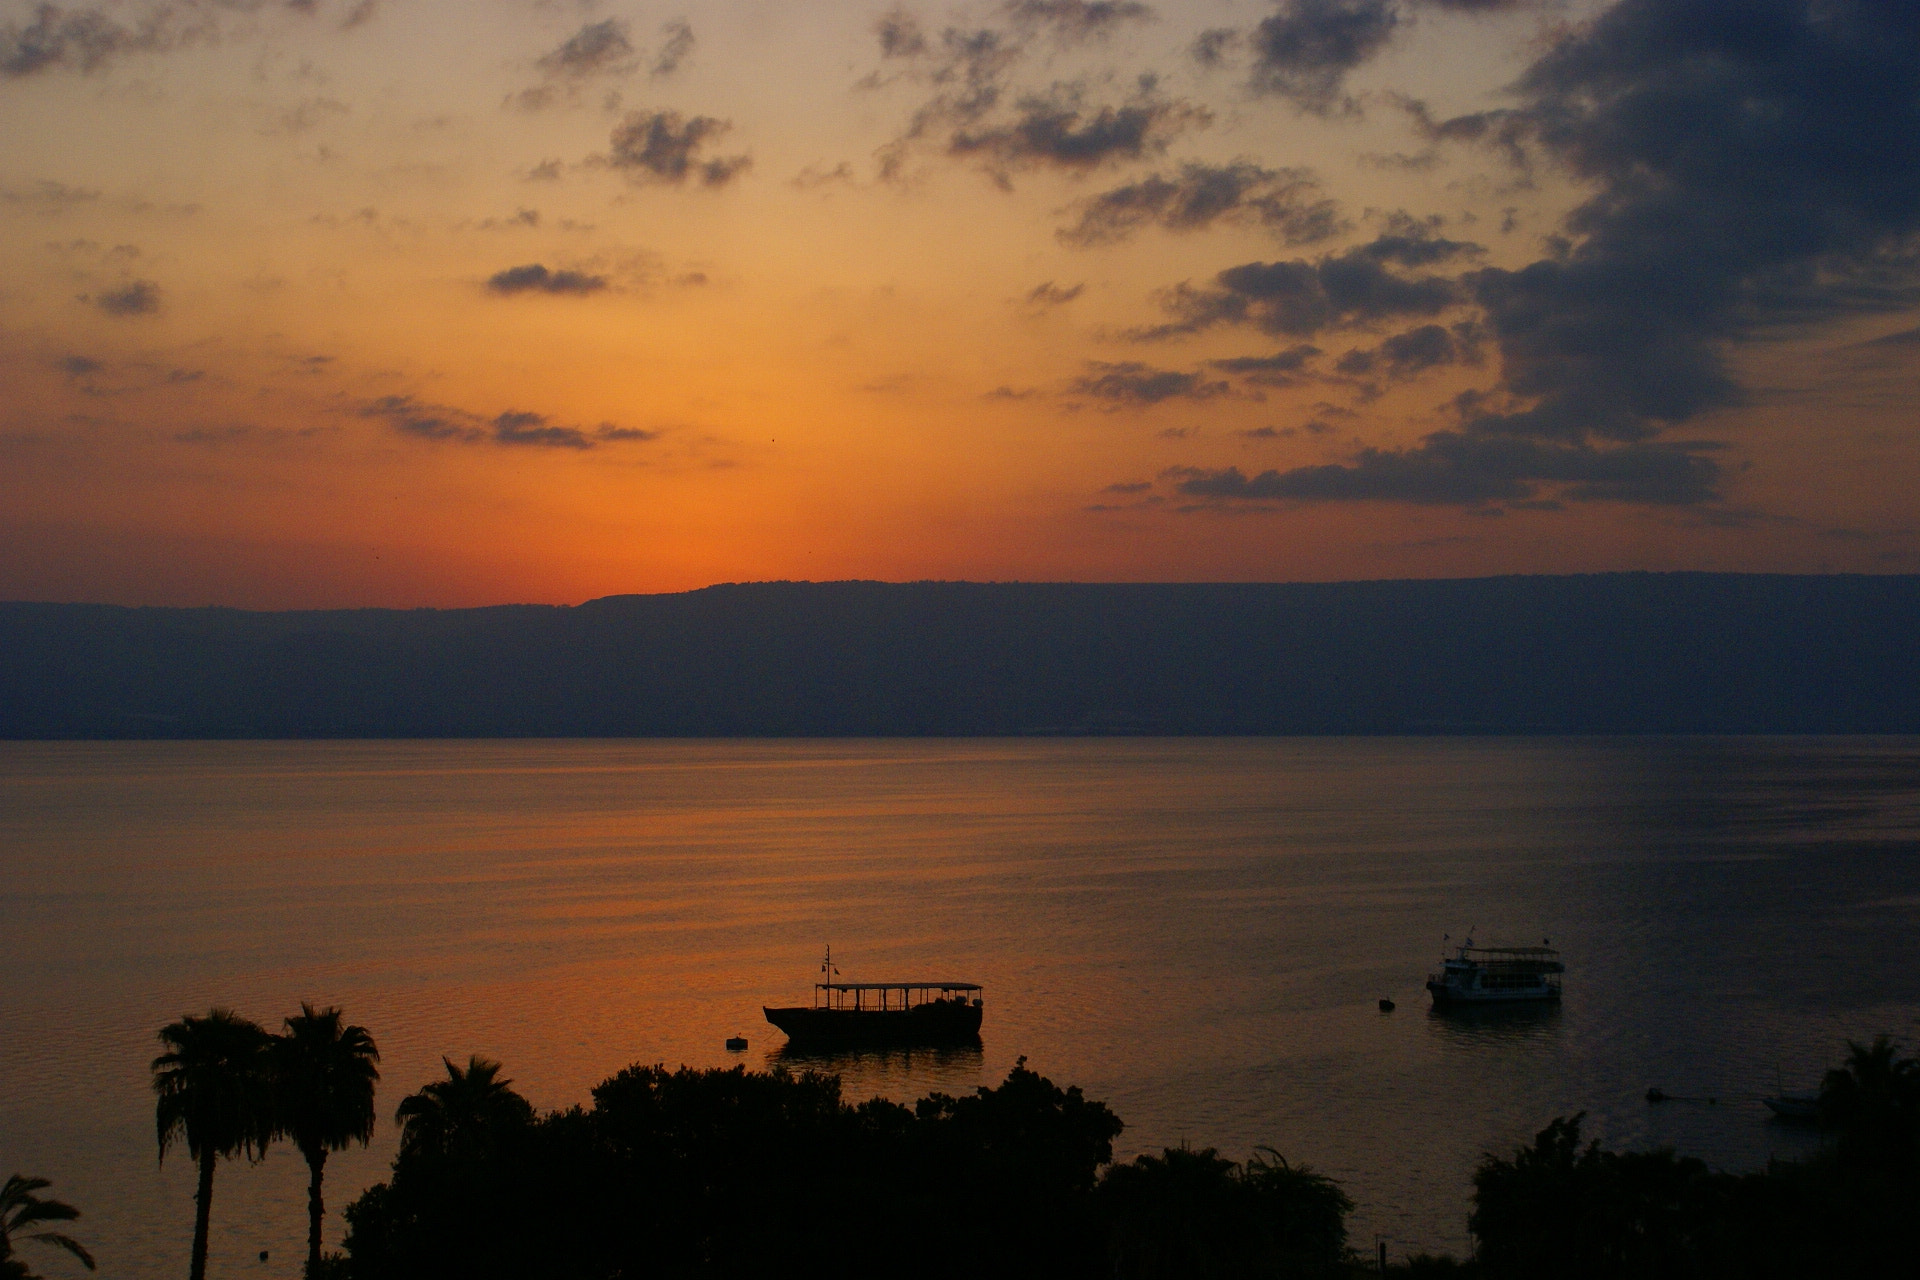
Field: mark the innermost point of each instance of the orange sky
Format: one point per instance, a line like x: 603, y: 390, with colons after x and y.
x: 425, y: 302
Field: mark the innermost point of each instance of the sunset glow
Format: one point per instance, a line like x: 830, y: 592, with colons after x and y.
x: 425, y: 302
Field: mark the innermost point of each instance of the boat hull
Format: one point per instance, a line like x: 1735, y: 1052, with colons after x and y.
x: 1444, y: 994
x: 1793, y: 1109
x: 941, y: 1022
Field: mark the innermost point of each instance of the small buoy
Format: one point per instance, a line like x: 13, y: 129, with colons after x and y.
x: 736, y: 1044
x: 1386, y: 1006
x: 263, y: 1255
x: 1656, y: 1095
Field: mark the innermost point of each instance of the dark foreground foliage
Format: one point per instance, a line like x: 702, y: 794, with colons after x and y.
x: 732, y: 1173
x: 1560, y: 1209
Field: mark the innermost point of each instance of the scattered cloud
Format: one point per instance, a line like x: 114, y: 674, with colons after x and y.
x: 1210, y: 47
x: 1454, y: 468
x: 1057, y: 131
x: 1075, y: 21
x: 1286, y: 202
x: 86, y: 39
x: 900, y: 35
x: 595, y: 49
x: 814, y: 177
x: 1045, y: 297
x: 1414, y: 352
x: 1133, y: 384
x: 411, y: 417
x: 134, y: 298
x: 1357, y: 287
x: 78, y: 366
x: 1281, y: 369
x: 1303, y: 51
x: 676, y: 46
x: 536, y: 278
x: 664, y: 146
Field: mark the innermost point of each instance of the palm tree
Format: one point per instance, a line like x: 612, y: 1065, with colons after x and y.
x: 323, y: 1075
x: 461, y: 1116
x: 1873, y: 1099
x: 214, y: 1090
x: 21, y: 1208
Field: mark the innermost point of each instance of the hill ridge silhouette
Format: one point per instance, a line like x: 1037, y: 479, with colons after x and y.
x: 1588, y: 653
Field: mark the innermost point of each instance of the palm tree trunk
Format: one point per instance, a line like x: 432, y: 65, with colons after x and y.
x: 202, y: 1214
x: 317, y: 1162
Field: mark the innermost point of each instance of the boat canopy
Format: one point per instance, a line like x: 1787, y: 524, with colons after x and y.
x: 899, y: 985
x: 892, y: 995
x: 1510, y: 959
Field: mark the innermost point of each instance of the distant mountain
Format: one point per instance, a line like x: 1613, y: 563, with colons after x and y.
x: 1605, y: 653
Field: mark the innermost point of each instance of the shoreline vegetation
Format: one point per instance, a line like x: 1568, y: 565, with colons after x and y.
x: 727, y: 1172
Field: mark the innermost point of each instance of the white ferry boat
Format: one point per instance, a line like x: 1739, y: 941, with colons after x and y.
x: 1497, y: 975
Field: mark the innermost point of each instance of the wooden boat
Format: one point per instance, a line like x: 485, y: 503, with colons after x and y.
x: 868, y: 1013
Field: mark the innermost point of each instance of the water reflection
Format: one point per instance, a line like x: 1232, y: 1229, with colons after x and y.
x: 1195, y: 931
x: 898, y: 1072
x: 1493, y: 1025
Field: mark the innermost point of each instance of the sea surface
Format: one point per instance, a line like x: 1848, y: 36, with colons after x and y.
x: 1196, y: 931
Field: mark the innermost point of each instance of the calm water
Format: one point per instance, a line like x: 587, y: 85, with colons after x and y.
x: 1196, y: 931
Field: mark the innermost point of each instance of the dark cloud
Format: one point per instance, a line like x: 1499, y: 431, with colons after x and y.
x: 1357, y: 287
x: 1281, y: 369
x: 1452, y: 468
x: 664, y: 146
x: 1756, y: 171
x: 1286, y: 202
x: 135, y: 298
x: 1076, y: 20
x: 1304, y: 51
x: 1132, y: 383
x: 1056, y: 131
x: 78, y: 366
x: 595, y: 48
x: 535, y: 278
x: 513, y: 428
x: 676, y: 47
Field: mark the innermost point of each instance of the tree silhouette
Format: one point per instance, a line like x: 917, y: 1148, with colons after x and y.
x: 21, y: 1209
x: 461, y: 1117
x: 1873, y: 1100
x: 323, y: 1078
x: 214, y: 1090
